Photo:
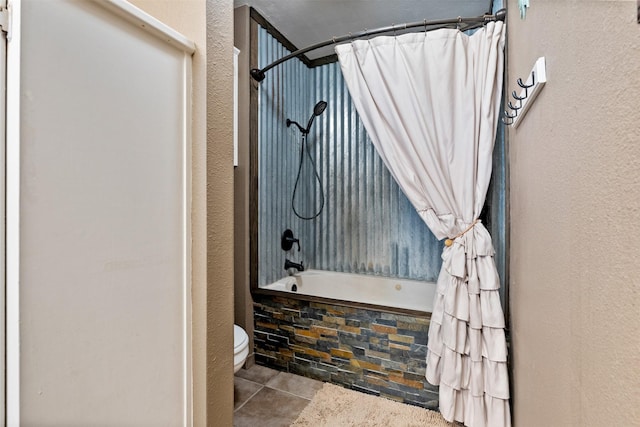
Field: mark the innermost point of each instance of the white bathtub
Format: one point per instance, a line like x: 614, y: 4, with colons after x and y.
x: 360, y: 288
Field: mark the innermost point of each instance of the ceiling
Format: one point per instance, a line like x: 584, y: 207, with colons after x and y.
x: 306, y: 22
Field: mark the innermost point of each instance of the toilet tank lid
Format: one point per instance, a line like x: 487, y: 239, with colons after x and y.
x: 240, y: 337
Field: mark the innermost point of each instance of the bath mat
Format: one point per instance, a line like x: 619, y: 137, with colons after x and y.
x: 335, y: 406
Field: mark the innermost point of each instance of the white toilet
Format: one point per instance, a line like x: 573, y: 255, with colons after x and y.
x: 240, y: 347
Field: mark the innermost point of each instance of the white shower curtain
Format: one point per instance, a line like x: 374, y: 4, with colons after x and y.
x: 430, y: 103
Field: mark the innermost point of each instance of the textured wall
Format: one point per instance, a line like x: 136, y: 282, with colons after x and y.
x: 209, y: 24
x: 219, y: 208
x: 575, y: 198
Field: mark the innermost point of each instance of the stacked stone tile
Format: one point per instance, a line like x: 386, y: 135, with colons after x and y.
x: 371, y: 351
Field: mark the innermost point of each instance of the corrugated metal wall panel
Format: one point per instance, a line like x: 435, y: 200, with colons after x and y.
x: 281, y: 95
x: 367, y: 226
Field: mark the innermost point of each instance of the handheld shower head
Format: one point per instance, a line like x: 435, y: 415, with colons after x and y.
x: 317, y: 110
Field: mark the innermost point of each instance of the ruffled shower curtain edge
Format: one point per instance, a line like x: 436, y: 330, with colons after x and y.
x: 467, y: 353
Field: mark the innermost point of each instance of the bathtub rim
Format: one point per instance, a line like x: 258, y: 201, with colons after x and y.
x: 255, y: 290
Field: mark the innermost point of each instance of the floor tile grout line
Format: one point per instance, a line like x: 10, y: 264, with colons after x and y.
x: 294, y: 394
x: 264, y: 385
x: 254, y: 382
x: 275, y: 389
x: 288, y: 392
x: 250, y: 397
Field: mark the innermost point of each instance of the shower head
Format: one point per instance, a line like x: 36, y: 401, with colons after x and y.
x: 319, y: 108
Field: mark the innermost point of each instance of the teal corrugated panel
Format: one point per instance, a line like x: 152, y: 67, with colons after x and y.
x: 367, y: 225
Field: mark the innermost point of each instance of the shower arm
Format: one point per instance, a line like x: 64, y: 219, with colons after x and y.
x: 258, y: 74
x: 303, y: 130
x: 299, y: 126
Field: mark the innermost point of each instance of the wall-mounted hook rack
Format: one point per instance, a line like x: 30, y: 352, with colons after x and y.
x: 528, y: 93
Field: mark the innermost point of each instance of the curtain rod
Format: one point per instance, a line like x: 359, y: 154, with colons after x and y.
x: 259, y: 74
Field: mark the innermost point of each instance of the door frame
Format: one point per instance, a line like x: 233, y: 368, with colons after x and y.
x: 12, y: 212
x: 3, y: 113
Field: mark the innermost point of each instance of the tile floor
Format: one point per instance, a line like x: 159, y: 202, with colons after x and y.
x: 268, y: 398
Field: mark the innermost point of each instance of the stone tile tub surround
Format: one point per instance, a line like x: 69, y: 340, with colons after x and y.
x: 368, y: 350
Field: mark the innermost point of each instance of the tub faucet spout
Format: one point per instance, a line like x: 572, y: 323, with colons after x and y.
x: 290, y: 264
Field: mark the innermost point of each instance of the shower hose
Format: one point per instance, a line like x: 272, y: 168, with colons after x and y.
x: 295, y: 187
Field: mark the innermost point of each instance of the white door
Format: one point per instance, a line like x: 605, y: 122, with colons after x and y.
x: 98, y: 285
x: 3, y: 98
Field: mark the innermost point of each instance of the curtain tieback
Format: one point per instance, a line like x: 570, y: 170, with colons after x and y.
x: 449, y: 242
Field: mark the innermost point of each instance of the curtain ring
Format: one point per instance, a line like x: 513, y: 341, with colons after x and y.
x: 459, y: 22
x: 425, y: 26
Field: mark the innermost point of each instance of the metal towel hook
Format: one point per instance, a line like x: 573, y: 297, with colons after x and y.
x: 513, y: 107
x: 515, y: 95
x: 525, y: 86
x: 509, y: 116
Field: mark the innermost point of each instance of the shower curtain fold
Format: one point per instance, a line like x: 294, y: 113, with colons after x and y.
x: 430, y: 103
